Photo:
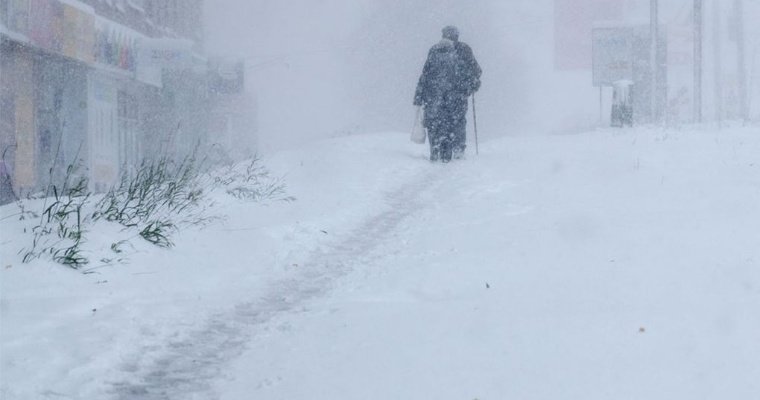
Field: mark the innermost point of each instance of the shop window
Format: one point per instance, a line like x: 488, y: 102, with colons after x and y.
x: 129, y: 148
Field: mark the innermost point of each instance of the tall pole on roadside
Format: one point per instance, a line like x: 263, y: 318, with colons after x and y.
x: 654, y: 60
x: 717, y: 62
x: 475, y: 124
x: 741, y: 60
x: 698, y: 26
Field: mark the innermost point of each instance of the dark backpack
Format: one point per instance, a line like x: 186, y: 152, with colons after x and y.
x: 447, y: 70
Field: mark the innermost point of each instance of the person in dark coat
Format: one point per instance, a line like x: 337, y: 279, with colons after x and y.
x: 450, y: 76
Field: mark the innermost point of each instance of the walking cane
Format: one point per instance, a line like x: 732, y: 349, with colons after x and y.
x: 475, y: 122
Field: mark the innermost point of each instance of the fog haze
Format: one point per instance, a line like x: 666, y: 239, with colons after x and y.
x: 235, y: 199
x: 340, y: 67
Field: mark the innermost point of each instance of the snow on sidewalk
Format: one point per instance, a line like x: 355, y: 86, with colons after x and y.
x: 112, y: 333
x: 611, y: 264
x: 608, y: 265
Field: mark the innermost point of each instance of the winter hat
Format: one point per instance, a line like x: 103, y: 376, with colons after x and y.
x: 451, y: 32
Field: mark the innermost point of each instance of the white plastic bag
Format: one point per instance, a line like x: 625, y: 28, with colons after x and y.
x: 418, y: 131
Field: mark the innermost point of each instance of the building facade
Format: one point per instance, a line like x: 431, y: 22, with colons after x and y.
x: 99, y: 84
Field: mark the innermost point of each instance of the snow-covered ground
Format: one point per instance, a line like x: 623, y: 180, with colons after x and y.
x: 617, y: 264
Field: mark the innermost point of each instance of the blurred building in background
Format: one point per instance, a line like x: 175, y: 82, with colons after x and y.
x: 232, y: 118
x: 729, y: 61
x: 104, y: 84
x: 622, y: 56
x: 177, y: 18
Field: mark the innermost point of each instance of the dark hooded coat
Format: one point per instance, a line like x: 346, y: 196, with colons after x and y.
x: 451, y: 74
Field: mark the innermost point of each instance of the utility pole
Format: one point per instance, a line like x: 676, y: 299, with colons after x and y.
x: 717, y: 62
x: 741, y: 60
x: 698, y: 60
x: 654, y: 68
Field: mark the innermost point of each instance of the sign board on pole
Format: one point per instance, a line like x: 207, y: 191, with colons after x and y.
x: 612, y: 55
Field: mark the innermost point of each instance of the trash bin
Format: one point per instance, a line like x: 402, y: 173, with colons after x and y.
x: 6, y: 185
x: 622, y: 104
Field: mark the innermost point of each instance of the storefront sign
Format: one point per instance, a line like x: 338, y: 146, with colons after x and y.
x: 171, y: 54
x: 156, y: 55
x: 78, y: 33
x: 46, y: 24
x: 63, y: 27
x: 116, y: 45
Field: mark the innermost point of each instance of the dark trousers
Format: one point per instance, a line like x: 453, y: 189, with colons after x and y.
x: 459, y: 131
x: 446, y: 121
x: 441, y: 143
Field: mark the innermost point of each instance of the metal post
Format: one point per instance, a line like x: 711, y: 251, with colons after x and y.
x: 475, y: 123
x: 654, y: 68
x: 741, y: 60
x: 601, y: 105
x: 698, y: 60
x: 718, y: 63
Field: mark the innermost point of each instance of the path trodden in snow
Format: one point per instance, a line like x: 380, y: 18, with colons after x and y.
x: 605, y: 265
x: 187, y: 365
x: 612, y: 264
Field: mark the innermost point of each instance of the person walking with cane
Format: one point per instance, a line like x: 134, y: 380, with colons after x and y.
x: 450, y: 76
